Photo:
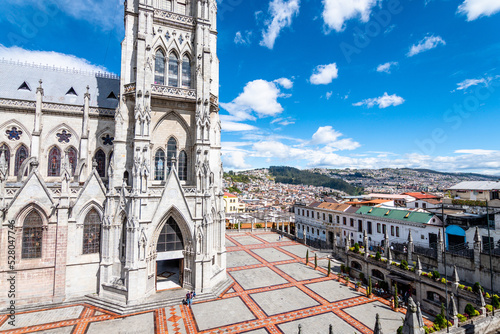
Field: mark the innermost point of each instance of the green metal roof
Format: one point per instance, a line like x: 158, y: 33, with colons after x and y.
x: 403, y: 215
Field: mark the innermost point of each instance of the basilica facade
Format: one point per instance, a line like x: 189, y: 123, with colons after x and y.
x: 112, y: 186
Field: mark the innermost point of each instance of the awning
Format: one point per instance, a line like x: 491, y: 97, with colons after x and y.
x: 399, y: 279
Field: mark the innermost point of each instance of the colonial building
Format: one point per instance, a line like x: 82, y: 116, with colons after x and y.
x: 328, y: 223
x: 114, y: 184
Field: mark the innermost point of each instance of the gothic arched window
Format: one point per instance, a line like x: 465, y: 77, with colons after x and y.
x: 170, y: 238
x: 4, y: 151
x: 92, y: 232
x: 186, y: 72
x: 159, y: 68
x: 160, y: 165
x: 32, y: 236
x: 171, y: 151
x: 21, y: 155
x: 73, y: 159
x: 54, y: 168
x: 100, y: 158
x: 173, y: 70
x: 183, y: 166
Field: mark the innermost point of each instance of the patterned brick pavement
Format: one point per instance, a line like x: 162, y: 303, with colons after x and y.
x: 181, y: 319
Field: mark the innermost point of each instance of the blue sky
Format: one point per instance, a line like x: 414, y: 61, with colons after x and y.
x: 319, y: 83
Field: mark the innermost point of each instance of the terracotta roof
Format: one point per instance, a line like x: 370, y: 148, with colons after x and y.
x: 422, y: 195
x: 334, y: 206
x: 229, y: 195
x: 373, y: 201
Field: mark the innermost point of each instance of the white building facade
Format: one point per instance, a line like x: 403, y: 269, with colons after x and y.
x: 108, y: 182
x: 350, y: 223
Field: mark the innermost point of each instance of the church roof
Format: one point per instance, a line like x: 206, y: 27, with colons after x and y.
x: 19, y: 81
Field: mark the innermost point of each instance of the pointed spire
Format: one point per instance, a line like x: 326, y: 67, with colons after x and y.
x: 40, y: 89
x: 389, y: 256
x: 440, y: 237
x: 452, y: 308
x: 3, y: 163
x: 476, y: 235
x: 455, y: 274
x: 386, y: 235
x: 419, y: 265
x: 378, y: 328
x: 410, y: 238
x: 411, y: 324
x: 481, y: 298
x: 365, y: 234
x: 419, y: 316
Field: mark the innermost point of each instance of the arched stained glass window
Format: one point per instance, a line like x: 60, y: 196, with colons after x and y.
x: 173, y: 70
x: 170, y: 238
x: 182, y: 166
x: 32, y: 236
x: 171, y: 151
x: 100, y: 158
x: 73, y: 159
x: 54, y: 168
x: 92, y: 232
x: 4, y: 150
x: 160, y: 165
x: 159, y: 68
x: 186, y: 72
x: 21, y: 155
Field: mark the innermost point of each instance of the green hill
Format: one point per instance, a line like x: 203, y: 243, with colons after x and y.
x: 290, y: 175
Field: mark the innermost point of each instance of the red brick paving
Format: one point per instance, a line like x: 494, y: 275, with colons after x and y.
x: 164, y: 315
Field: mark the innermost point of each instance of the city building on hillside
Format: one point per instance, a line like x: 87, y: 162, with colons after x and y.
x: 399, y: 200
x: 232, y: 204
x: 476, y: 191
x: 120, y: 177
x: 423, y: 200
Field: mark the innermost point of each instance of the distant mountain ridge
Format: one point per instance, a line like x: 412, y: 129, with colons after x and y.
x: 291, y: 175
x: 422, y: 170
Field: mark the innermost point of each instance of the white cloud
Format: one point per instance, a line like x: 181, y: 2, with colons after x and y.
x: 283, y: 121
x: 243, y: 38
x: 50, y: 58
x: 383, y: 101
x: 229, y: 126
x: 472, y: 82
x: 476, y: 8
x: 477, y: 152
x: 284, y: 82
x: 235, y: 160
x: 386, y: 67
x: 282, y: 12
x: 108, y: 14
x: 428, y: 43
x: 324, y: 74
x: 336, y: 12
x: 259, y: 96
x: 326, y: 135
x: 328, y: 95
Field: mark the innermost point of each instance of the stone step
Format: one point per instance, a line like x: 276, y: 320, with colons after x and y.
x: 122, y: 309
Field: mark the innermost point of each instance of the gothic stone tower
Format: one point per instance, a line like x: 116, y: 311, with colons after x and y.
x: 164, y: 207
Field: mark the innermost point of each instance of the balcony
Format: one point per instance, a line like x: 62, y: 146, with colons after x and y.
x: 173, y: 17
x: 173, y: 92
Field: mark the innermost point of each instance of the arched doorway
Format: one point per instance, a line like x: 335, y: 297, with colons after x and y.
x: 170, y: 257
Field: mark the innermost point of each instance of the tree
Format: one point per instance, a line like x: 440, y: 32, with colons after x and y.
x: 369, y: 288
x: 307, y: 257
x: 315, y: 260
x: 329, y: 267
x: 356, y: 247
x: 396, y: 301
x: 378, y: 256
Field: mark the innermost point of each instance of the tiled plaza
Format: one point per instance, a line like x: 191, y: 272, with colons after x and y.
x: 274, y: 291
